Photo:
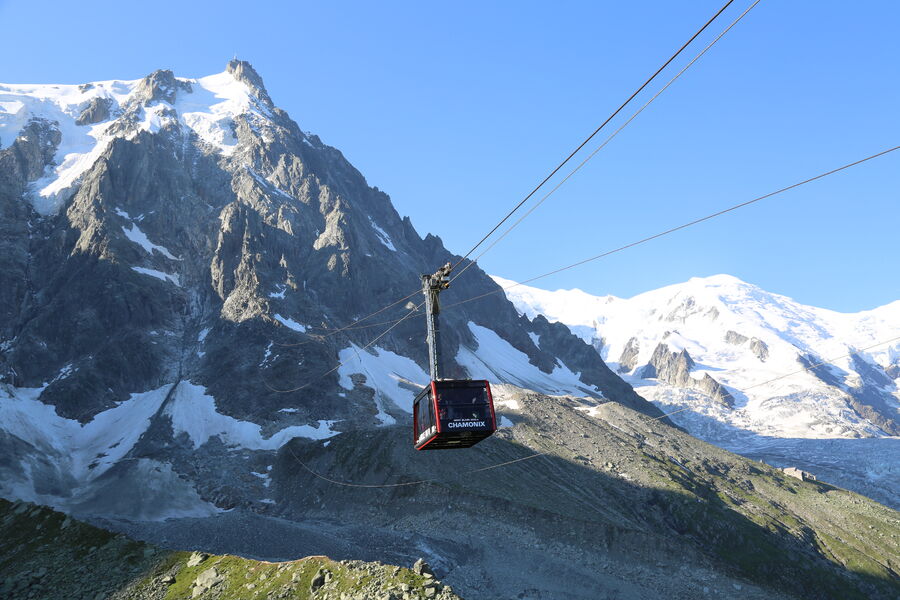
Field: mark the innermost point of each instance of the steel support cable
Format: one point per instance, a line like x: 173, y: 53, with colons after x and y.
x: 680, y: 227
x: 341, y: 363
x: 596, y: 131
x: 610, y: 252
x: 567, y: 159
x: 803, y: 370
x: 607, y: 140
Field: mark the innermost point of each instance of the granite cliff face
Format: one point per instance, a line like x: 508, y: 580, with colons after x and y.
x: 675, y: 368
x: 176, y: 254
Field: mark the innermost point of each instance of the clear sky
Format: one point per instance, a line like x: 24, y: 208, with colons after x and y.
x: 458, y: 109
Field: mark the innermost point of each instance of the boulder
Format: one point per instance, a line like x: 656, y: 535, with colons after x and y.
x: 420, y: 567
x: 318, y: 580
x: 206, y: 580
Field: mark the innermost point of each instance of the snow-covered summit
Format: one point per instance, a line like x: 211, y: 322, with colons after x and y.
x: 89, y: 116
x: 746, y: 339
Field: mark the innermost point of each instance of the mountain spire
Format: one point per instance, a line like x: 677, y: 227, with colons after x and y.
x: 244, y: 72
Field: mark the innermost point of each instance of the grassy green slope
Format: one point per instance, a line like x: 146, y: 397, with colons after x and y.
x: 47, y: 555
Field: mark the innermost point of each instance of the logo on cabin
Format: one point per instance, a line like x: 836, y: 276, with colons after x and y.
x: 465, y: 424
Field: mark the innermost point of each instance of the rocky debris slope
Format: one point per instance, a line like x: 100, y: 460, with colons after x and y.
x: 47, y: 555
x: 615, y: 504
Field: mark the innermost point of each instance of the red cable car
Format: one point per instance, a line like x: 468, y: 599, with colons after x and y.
x: 453, y: 413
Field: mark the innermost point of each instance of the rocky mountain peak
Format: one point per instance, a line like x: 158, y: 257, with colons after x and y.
x: 244, y: 72
x: 719, y: 279
x: 160, y: 85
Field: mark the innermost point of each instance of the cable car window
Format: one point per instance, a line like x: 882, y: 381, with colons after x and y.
x: 424, y: 415
x: 464, y: 403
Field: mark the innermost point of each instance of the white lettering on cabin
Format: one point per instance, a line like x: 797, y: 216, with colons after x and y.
x: 465, y: 424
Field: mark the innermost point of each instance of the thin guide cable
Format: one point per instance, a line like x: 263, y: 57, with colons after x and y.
x: 596, y: 131
x: 683, y: 226
x: 606, y: 141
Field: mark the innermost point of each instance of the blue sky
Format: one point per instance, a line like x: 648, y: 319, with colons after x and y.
x: 458, y: 110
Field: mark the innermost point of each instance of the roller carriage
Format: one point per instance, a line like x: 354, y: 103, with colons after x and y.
x: 448, y: 413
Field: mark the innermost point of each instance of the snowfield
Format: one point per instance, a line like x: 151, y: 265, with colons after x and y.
x: 69, y: 464
x: 747, y: 339
x: 497, y: 360
x: 396, y: 379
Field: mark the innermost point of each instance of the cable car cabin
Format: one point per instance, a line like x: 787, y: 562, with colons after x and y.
x: 453, y: 414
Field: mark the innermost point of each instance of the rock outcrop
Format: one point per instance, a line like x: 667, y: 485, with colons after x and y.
x: 675, y: 368
x: 628, y: 359
x: 759, y: 348
x: 97, y: 110
x: 733, y: 337
x: 755, y: 345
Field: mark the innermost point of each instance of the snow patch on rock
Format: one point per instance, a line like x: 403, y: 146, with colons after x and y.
x: 140, y: 238
x: 158, y: 274
x: 394, y: 378
x: 383, y: 237
x: 496, y: 359
x: 90, y: 449
x: 290, y: 323
x: 194, y: 413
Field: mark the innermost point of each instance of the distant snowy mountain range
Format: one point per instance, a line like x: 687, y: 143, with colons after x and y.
x: 749, y: 341
x: 729, y: 357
